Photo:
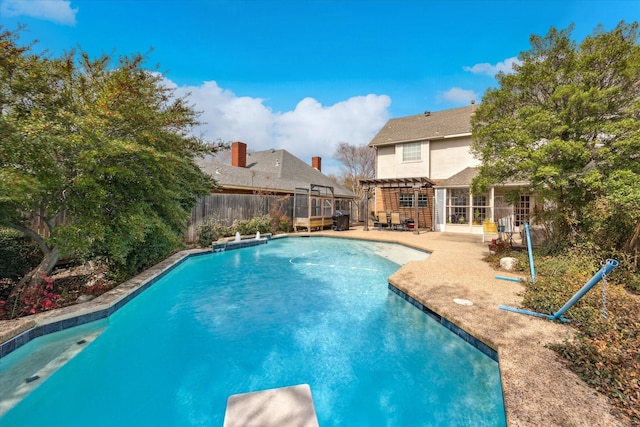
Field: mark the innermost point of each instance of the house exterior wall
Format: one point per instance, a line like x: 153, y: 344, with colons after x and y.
x: 390, y: 163
x: 411, y: 168
x: 450, y: 156
x: 440, y: 159
x: 386, y: 162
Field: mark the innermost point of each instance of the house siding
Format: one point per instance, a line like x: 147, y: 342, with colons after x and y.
x: 391, y: 165
x: 449, y: 156
x: 386, y: 162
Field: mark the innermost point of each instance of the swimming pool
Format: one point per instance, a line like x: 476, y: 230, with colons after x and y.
x: 294, y: 311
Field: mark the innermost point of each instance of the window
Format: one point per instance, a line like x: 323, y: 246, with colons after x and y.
x: 480, y: 209
x: 522, y: 210
x: 458, y: 206
x: 328, y: 208
x: 315, y: 208
x: 411, y: 151
x: 406, y: 201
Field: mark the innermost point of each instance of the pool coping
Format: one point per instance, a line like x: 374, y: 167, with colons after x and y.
x: 537, y: 386
x: 15, y: 334
x: 460, y: 332
x: 105, y: 305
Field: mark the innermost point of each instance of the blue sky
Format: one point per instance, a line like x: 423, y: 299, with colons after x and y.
x: 305, y: 75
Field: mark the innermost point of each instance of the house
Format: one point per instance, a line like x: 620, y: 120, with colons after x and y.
x: 424, y: 169
x: 280, y: 173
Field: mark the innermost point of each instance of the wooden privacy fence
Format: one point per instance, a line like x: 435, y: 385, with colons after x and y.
x: 39, y: 226
x: 226, y: 208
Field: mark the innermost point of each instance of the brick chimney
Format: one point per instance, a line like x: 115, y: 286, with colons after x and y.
x: 239, y: 154
x: 316, y: 163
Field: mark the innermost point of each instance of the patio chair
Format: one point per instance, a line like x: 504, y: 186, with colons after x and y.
x: 396, y: 224
x: 489, y: 228
x: 382, y: 220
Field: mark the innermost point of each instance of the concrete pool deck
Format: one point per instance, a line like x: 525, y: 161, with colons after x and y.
x: 538, y: 389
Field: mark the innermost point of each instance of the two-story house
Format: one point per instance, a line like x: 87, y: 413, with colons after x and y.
x: 424, y: 169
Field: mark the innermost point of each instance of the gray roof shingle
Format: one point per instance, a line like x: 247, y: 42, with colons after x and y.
x: 270, y: 170
x: 422, y: 127
x: 461, y: 179
x: 466, y: 175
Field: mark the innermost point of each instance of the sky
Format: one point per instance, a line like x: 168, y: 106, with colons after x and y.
x: 306, y: 75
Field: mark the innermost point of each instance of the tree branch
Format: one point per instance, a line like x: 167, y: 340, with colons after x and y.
x: 32, y: 234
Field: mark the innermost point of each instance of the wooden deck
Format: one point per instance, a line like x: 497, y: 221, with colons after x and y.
x: 312, y: 223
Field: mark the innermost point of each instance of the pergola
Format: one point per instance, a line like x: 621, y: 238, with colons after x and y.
x: 415, y: 183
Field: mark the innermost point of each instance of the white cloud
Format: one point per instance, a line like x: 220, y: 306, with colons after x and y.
x: 232, y: 118
x: 311, y: 129
x: 505, y: 66
x: 459, y: 96
x: 57, y: 11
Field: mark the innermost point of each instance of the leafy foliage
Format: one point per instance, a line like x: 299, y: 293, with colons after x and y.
x: 567, y: 121
x: 210, y: 231
x: 253, y: 225
x: 18, y: 254
x: 32, y: 300
x: 606, y: 351
x: 106, y: 147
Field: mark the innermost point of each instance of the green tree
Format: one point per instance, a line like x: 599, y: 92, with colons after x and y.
x: 567, y: 120
x: 102, y: 155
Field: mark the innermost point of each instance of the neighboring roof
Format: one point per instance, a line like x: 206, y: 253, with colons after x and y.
x: 464, y: 178
x: 270, y: 170
x: 426, y: 126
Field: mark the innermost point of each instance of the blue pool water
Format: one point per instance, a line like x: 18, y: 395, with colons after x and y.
x: 311, y: 311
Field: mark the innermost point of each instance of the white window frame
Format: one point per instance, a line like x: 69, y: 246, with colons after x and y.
x: 412, y: 152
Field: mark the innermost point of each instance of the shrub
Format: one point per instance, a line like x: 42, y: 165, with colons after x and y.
x: 500, y: 246
x: 18, y: 254
x: 253, y: 225
x: 606, y: 351
x: 283, y: 224
x: 30, y: 301
x: 158, y: 243
x: 279, y: 221
x: 210, y: 231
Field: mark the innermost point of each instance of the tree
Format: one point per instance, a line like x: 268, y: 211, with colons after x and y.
x: 359, y: 163
x: 567, y: 120
x: 102, y: 155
